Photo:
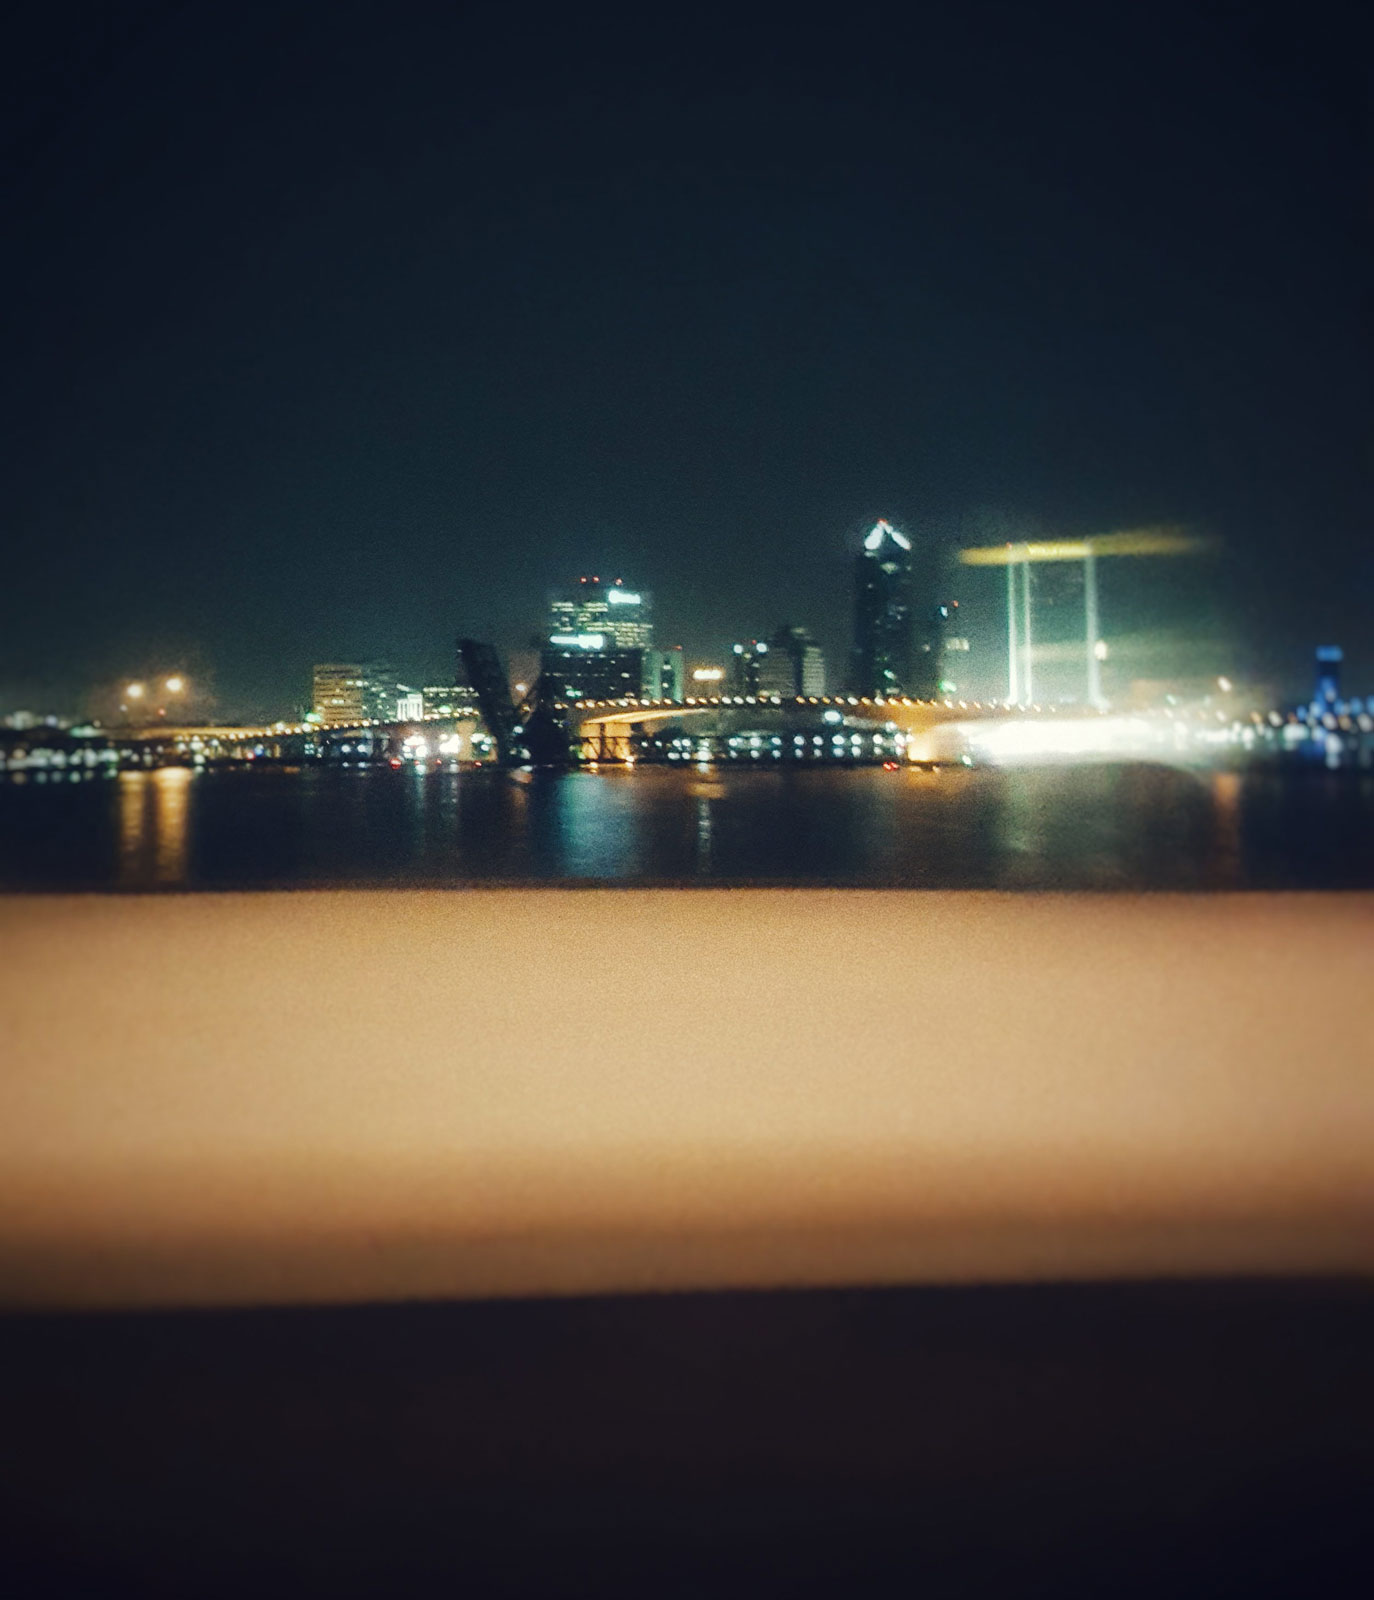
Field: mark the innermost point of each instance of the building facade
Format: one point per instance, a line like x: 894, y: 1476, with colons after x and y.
x: 599, y: 644
x: 381, y: 691
x: 746, y: 664
x: 448, y: 700
x: 897, y: 630
x: 346, y: 693
x: 798, y: 661
x: 884, y: 614
x: 583, y: 667
x: 624, y: 617
x: 788, y: 664
x: 337, y: 698
x: 665, y: 676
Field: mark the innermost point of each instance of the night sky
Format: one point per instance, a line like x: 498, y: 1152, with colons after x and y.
x: 335, y: 330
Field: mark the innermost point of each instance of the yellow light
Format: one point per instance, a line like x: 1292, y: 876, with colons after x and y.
x: 134, y: 691
x: 1161, y: 541
x: 175, y: 684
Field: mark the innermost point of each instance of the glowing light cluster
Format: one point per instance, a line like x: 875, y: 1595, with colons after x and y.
x: 883, y: 529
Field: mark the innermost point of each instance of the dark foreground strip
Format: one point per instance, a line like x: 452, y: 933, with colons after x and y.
x: 1144, y: 1439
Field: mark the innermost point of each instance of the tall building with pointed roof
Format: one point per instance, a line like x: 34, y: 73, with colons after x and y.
x: 885, y: 655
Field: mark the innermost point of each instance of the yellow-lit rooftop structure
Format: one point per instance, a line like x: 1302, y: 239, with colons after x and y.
x: 1165, y: 539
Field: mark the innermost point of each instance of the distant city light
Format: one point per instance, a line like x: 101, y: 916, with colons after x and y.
x: 622, y: 597
x: 1225, y: 685
x: 707, y: 674
x: 579, y: 641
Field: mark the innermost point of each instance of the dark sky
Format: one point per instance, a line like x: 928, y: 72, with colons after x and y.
x: 335, y: 330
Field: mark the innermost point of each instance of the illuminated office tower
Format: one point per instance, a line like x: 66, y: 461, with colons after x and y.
x: 338, y: 693
x: 449, y: 700
x: 600, y: 643
x: 624, y: 616
x: 884, y: 614
x: 346, y: 693
x: 587, y: 666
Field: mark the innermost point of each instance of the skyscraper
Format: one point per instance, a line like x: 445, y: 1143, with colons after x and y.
x: 747, y: 659
x: 624, y: 616
x: 355, y: 691
x: 587, y: 666
x: 599, y: 645
x: 787, y: 664
x: 805, y: 670
x: 338, y: 693
x: 664, y: 674
x: 885, y: 661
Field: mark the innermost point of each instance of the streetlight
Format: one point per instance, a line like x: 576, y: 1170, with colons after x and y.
x: 175, y: 684
x: 135, y: 691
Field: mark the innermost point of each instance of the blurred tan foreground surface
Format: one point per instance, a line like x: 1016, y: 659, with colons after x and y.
x: 367, y: 1095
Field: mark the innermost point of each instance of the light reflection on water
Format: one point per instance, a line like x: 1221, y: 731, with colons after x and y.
x: 154, y: 828
x: 133, y: 796
x: 1136, y: 827
x: 1229, y: 843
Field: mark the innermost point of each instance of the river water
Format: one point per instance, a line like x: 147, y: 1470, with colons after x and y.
x: 1093, y: 827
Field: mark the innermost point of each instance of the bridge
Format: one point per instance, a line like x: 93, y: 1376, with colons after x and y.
x: 296, y: 741
x: 613, y: 730
x: 829, y: 728
x: 912, y: 730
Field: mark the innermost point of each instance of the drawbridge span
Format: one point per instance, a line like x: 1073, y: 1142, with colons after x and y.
x: 614, y: 730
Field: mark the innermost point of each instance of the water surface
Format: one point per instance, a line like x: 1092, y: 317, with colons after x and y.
x: 1095, y: 827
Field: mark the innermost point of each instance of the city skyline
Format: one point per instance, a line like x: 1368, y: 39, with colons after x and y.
x: 895, y: 643
x: 327, y: 343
